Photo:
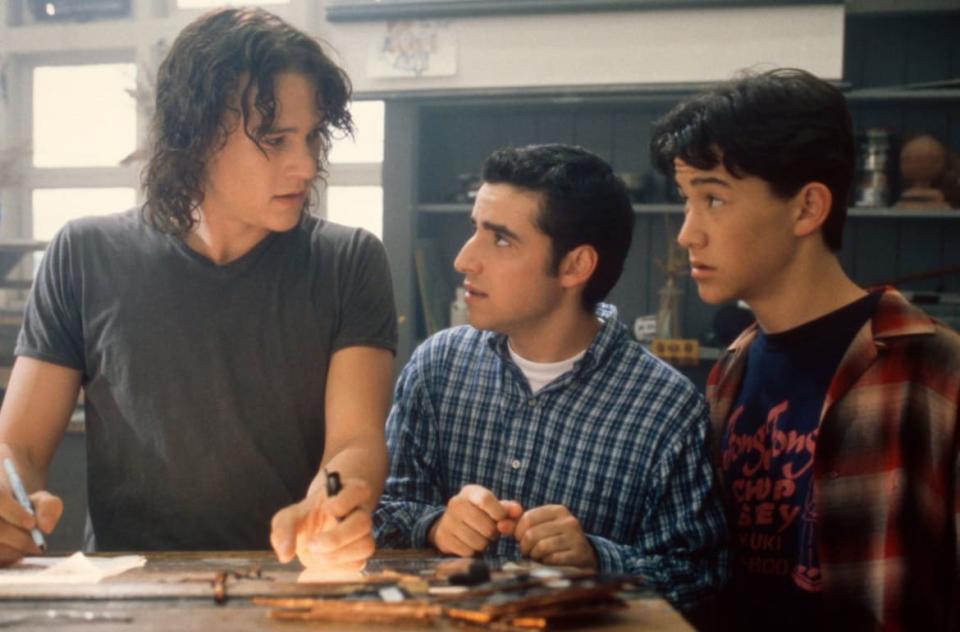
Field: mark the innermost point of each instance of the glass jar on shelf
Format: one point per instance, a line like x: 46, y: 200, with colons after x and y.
x: 873, y: 182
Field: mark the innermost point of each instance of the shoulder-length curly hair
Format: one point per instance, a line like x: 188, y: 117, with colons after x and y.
x: 225, y: 57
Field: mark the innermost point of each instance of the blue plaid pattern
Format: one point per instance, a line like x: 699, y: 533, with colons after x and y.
x: 620, y: 441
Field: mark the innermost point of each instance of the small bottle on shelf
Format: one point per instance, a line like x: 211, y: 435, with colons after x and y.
x: 872, y: 188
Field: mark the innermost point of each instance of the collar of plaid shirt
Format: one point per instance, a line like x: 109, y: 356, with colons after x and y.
x: 894, y: 317
x: 610, y: 333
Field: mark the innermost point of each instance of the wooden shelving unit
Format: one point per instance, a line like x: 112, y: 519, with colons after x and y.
x: 900, y: 74
x: 676, y: 209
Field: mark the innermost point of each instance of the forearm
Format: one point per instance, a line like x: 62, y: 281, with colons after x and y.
x: 364, y: 458
x: 412, y: 499
x: 358, y: 395
x: 686, y: 579
x: 403, y: 523
x: 32, y: 473
x: 36, y: 410
x: 679, y: 548
x: 624, y: 559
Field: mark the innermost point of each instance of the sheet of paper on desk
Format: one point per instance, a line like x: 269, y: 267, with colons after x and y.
x: 76, y: 569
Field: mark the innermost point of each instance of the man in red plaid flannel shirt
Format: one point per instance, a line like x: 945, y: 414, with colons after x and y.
x: 835, y: 415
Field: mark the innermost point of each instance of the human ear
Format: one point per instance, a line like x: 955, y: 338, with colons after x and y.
x: 812, y: 207
x: 578, y: 265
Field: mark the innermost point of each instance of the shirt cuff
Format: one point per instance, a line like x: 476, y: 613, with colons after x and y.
x: 418, y: 539
x: 609, y: 559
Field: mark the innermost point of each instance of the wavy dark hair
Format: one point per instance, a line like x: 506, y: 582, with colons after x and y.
x: 584, y: 202
x: 785, y: 126
x: 224, y: 57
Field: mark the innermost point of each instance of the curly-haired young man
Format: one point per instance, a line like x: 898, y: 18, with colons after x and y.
x: 229, y: 344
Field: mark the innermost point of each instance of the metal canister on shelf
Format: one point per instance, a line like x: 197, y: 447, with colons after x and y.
x: 873, y: 183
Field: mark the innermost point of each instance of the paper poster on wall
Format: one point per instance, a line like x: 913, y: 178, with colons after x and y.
x: 414, y: 48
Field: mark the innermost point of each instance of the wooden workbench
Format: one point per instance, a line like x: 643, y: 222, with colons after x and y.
x: 174, y: 591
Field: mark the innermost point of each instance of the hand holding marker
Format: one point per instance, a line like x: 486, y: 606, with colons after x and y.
x: 21, y: 495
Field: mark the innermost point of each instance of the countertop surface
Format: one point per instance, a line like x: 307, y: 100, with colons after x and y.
x: 177, y: 590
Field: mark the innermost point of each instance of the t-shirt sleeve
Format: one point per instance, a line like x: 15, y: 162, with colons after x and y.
x: 368, y: 316
x: 52, y: 328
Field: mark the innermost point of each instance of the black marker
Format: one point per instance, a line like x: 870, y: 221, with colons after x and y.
x: 333, y: 483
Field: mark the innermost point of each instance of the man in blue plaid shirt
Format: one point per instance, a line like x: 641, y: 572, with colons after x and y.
x: 543, y: 430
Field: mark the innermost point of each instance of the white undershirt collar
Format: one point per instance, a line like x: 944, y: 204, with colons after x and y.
x: 539, y: 374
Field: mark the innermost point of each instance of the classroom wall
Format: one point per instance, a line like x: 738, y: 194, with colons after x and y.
x: 609, y: 48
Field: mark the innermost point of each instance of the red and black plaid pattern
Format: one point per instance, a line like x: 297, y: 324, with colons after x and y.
x: 886, y: 469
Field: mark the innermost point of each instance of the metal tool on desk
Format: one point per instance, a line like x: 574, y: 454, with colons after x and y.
x: 77, y: 616
x: 477, y: 573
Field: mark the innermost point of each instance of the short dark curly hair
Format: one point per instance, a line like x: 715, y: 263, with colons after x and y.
x: 223, y: 57
x: 785, y: 126
x: 584, y: 202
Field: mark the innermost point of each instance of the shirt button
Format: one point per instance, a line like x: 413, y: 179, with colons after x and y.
x: 531, y: 402
x: 515, y: 464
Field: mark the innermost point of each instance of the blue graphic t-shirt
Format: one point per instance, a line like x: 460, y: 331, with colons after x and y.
x: 767, y: 458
